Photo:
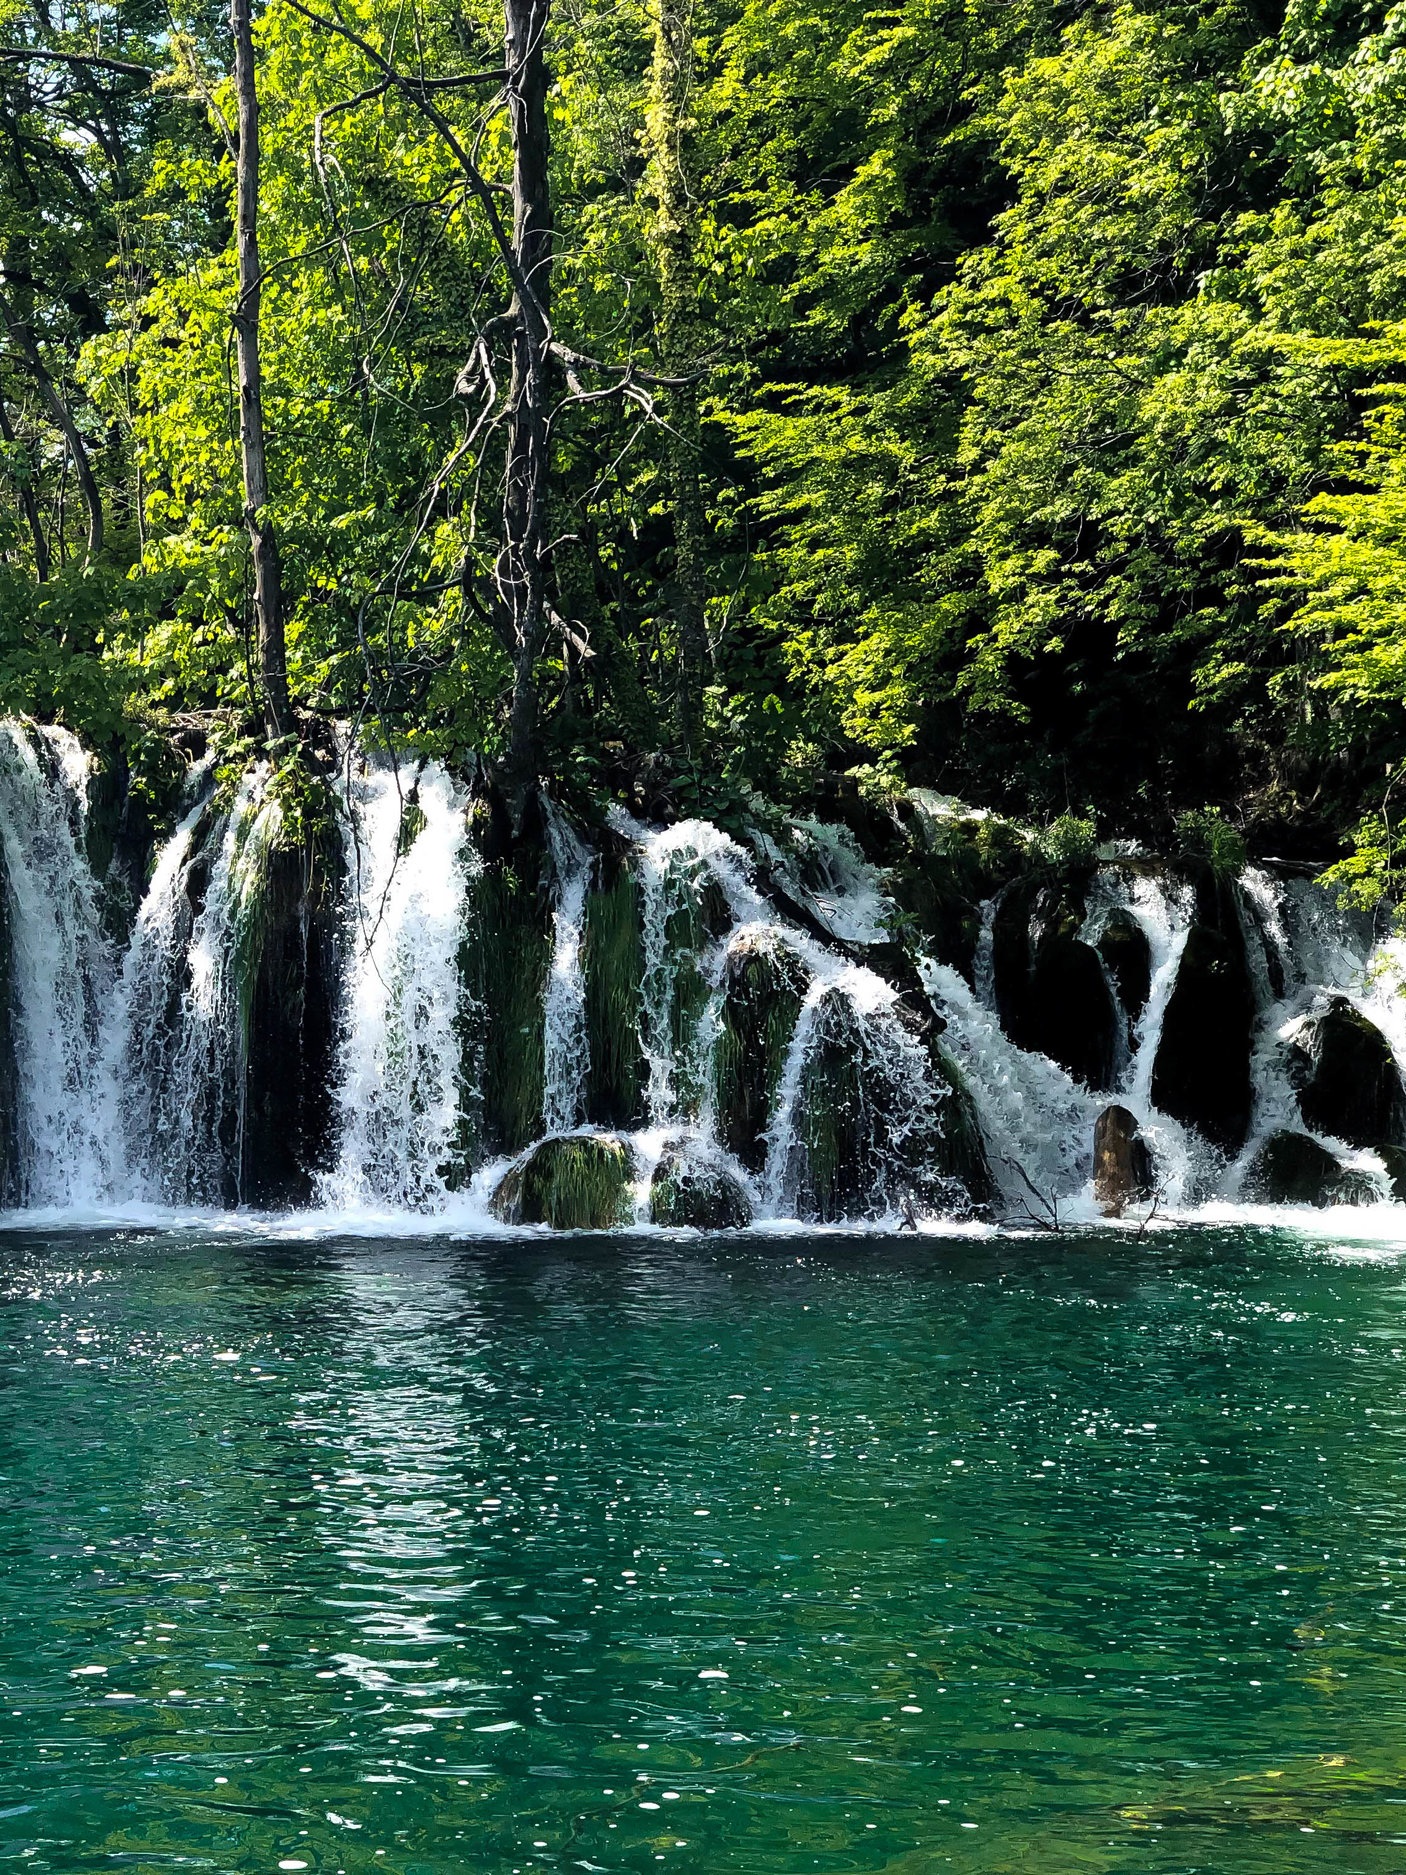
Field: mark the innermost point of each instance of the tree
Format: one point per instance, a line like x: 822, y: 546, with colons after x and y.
x: 674, y: 236
x: 258, y: 522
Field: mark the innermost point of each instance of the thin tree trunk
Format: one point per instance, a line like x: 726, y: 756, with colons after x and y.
x: 675, y: 237
x: 263, y: 542
x: 28, y: 503
x: 522, y: 556
x: 58, y: 409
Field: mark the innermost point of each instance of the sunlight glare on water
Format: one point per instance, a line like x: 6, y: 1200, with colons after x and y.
x: 806, y: 1554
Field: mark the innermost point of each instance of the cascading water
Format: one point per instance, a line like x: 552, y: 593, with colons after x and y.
x: 564, y: 1044
x: 790, y: 1062
x: 61, y: 970
x: 400, y: 1089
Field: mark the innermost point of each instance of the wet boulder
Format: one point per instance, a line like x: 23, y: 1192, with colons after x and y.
x: 1127, y: 957
x: 876, y: 1122
x: 612, y: 958
x: 691, y: 1192
x: 764, y: 985
x: 1393, y: 1160
x: 503, y: 964
x: 1291, y: 1168
x: 1201, y: 1074
x: 9, y: 1069
x: 959, y: 1154
x: 1052, y: 991
x: 1347, y: 1080
x: 583, y: 1181
x: 291, y: 965
x: 1123, y: 1172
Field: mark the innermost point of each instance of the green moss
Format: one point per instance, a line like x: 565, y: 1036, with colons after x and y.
x: 504, y: 962
x: 9, y: 1075
x: 961, y: 1150
x: 763, y: 992
x: 692, y: 1195
x: 686, y: 931
x: 582, y: 1182
x: 613, y: 961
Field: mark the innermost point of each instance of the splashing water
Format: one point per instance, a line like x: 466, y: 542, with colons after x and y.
x: 130, y: 1064
x: 62, y: 969
x: 565, y: 1057
x: 400, y: 1068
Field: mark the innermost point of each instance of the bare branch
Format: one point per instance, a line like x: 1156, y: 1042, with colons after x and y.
x: 17, y: 55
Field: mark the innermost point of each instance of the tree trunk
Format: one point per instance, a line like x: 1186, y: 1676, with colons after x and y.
x: 522, y: 556
x: 58, y: 409
x: 674, y: 237
x: 27, y: 503
x: 263, y: 542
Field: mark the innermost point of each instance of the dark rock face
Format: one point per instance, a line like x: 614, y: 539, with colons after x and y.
x: 867, y: 1141
x: 1347, y: 1080
x: 9, y: 1089
x: 1201, y: 1075
x: 1122, y: 1162
x: 613, y: 962
x: 691, y: 1193
x: 288, y: 1123
x: 1393, y: 1158
x: 1127, y: 957
x: 764, y: 987
x: 961, y: 1156
x: 1291, y: 1168
x: 504, y: 963
x: 1051, y: 989
x: 580, y: 1182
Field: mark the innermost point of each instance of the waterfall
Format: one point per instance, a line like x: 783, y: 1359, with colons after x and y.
x: 565, y: 1058
x: 400, y: 1070
x: 61, y: 969
x: 675, y: 866
x: 145, y: 1039
x: 1036, y: 1119
x: 891, y: 1105
x: 785, y: 1051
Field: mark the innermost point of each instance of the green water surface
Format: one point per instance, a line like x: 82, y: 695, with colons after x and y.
x: 768, y: 1556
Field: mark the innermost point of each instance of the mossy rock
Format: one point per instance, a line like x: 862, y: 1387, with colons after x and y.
x: 691, y: 1193
x: 504, y: 962
x: 613, y: 963
x: 291, y: 965
x: 959, y: 1153
x: 579, y: 1182
x: 9, y: 1071
x: 764, y: 986
x: 1291, y: 1168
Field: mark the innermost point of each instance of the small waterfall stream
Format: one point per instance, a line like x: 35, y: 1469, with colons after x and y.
x: 399, y: 1093
x: 792, y: 1059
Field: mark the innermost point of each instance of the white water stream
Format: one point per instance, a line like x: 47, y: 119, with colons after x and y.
x: 128, y: 1052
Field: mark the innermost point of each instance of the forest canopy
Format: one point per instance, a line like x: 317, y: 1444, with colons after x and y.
x: 719, y: 397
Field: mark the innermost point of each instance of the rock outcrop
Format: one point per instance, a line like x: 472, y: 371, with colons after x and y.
x: 1052, y: 990
x: 583, y: 1181
x: 1201, y: 1075
x: 763, y: 987
x: 689, y: 1191
x: 1347, y: 1080
x: 1123, y: 1171
x: 1291, y: 1168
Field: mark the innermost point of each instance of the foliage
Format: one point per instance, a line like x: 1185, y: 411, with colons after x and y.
x: 1052, y: 411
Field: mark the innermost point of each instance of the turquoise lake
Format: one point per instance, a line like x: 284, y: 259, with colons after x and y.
x: 746, y: 1558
